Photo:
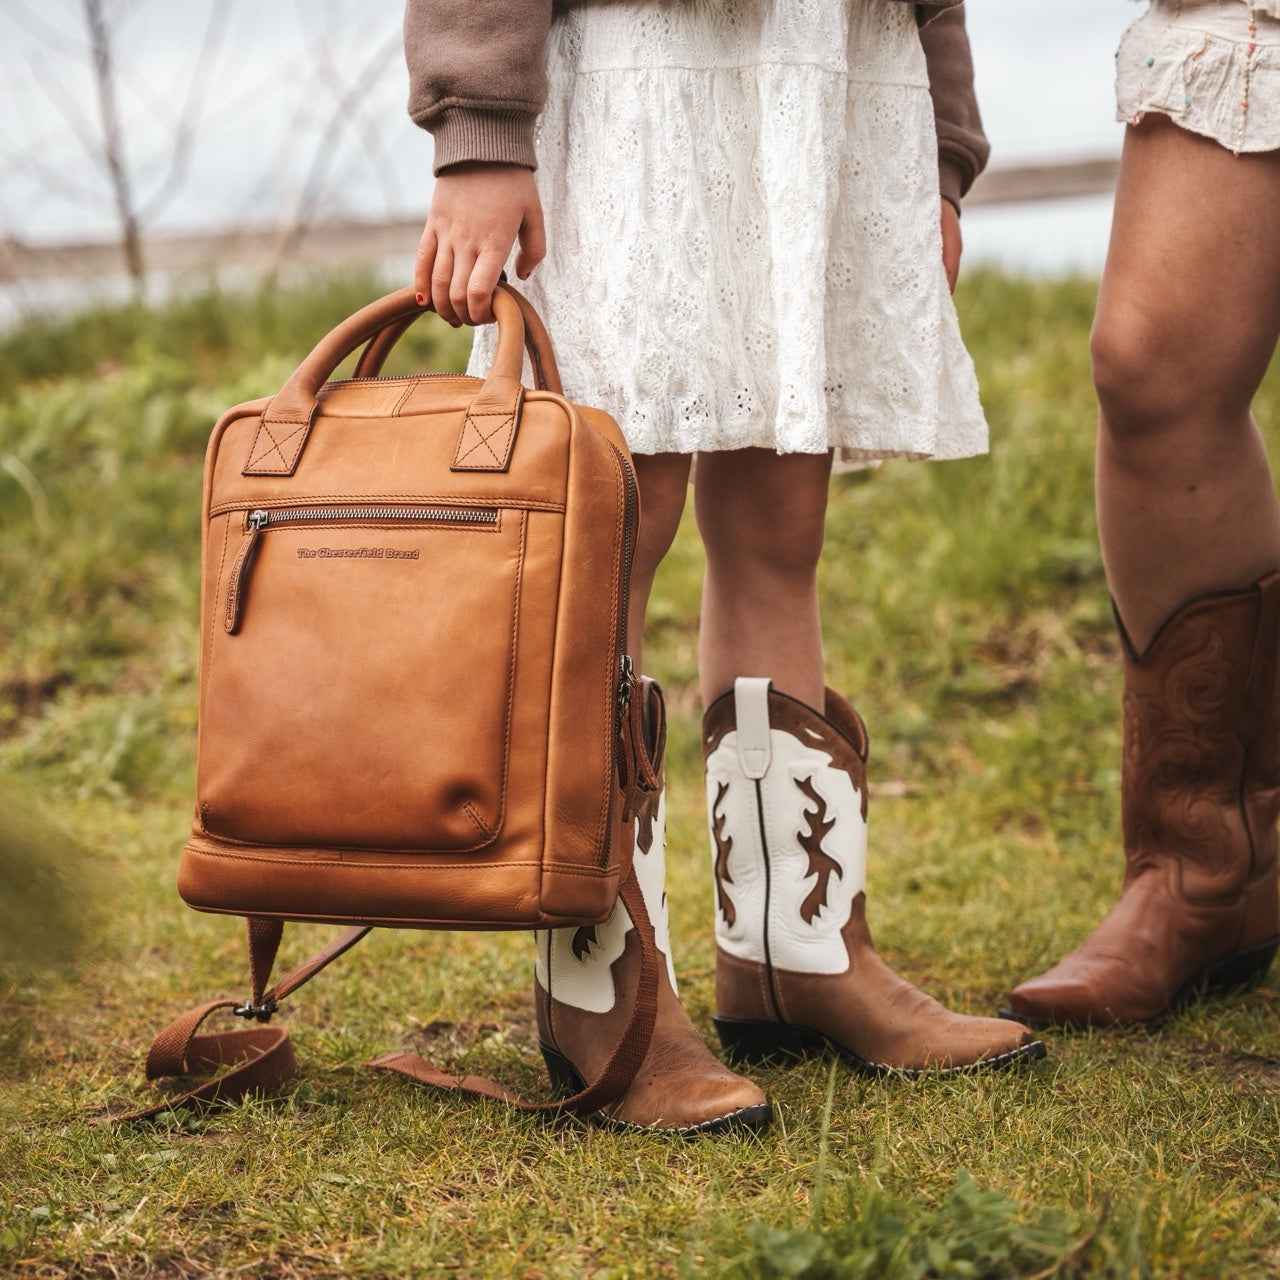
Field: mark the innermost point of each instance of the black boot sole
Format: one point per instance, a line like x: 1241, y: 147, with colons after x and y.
x: 1239, y: 972
x: 761, y: 1043
x: 566, y: 1077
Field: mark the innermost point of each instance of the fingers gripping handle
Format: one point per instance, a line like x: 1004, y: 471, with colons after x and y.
x: 537, y: 342
x: 282, y: 431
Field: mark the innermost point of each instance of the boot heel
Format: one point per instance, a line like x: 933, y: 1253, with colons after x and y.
x: 759, y: 1042
x: 1244, y: 970
x: 564, y: 1075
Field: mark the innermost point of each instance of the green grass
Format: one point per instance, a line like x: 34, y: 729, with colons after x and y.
x: 966, y: 615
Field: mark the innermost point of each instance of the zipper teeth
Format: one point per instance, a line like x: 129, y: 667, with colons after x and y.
x: 309, y: 515
x: 397, y: 377
x: 625, y: 671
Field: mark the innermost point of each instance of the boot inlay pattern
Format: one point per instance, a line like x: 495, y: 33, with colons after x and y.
x: 821, y: 864
x: 1175, y: 744
x: 723, y: 847
x: 575, y: 965
x: 793, y: 845
x: 649, y: 818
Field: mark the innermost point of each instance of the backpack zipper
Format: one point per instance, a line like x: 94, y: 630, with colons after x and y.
x: 627, y: 678
x: 260, y: 519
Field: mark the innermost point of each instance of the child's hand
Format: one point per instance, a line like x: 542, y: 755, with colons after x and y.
x: 952, y: 243
x: 478, y: 211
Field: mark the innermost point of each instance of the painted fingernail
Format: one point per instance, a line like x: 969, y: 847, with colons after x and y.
x: 422, y: 302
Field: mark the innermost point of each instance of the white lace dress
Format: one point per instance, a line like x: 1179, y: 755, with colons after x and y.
x: 743, y: 221
x: 1212, y: 66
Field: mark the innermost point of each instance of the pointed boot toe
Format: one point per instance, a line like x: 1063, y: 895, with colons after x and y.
x: 681, y: 1086
x: 1072, y: 994
x: 986, y: 1043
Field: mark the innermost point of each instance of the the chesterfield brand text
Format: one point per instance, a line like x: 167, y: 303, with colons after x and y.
x: 356, y: 553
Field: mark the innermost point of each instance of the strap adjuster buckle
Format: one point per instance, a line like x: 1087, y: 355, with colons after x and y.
x: 261, y: 1012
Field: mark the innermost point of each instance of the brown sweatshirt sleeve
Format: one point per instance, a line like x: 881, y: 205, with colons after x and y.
x: 963, y: 149
x: 476, y: 76
x: 927, y: 10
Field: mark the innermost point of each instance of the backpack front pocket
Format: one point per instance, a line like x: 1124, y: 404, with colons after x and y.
x: 359, y: 667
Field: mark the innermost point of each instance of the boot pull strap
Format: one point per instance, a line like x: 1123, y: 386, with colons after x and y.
x: 751, y: 717
x: 251, y: 1061
x: 624, y: 1061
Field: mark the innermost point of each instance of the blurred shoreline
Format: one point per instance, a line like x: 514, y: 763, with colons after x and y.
x: 1044, y: 219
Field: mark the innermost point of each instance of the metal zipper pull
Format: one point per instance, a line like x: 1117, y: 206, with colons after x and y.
x: 626, y: 682
x: 238, y: 585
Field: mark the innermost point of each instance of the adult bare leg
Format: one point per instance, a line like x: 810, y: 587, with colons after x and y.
x: 1187, y: 320
x: 1188, y: 317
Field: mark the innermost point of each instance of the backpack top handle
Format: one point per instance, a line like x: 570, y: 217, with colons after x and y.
x: 492, y: 416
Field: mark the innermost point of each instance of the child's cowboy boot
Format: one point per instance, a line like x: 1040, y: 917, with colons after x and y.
x: 1200, y: 788
x: 586, y: 982
x: 796, y: 970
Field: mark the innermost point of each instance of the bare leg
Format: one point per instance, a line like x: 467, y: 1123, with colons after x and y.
x: 796, y: 970
x: 1187, y: 320
x: 664, y: 481
x: 762, y: 516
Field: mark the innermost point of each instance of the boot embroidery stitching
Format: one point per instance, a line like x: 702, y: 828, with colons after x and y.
x: 1172, y: 742
x: 724, y: 846
x: 821, y: 863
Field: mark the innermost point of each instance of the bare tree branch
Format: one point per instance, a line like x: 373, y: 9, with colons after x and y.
x: 135, y: 147
x: 113, y: 143
x: 55, y: 90
x: 192, y: 110
x: 54, y: 180
x: 313, y: 185
x: 23, y: 15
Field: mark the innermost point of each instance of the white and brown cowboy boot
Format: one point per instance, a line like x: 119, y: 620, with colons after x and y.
x: 1200, y: 789
x: 585, y: 988
x: 796, y: 971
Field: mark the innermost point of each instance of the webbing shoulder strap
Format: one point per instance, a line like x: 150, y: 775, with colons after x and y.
x: 256, y: 1060
x: 623, y: 1064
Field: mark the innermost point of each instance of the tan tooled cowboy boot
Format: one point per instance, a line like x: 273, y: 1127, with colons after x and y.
x: 585, y: 988
x: 1200, y: 789
x: 796, y: 970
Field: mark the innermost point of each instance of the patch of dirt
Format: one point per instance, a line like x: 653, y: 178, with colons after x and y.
x: 1256, y: 1068
x: 21, y: 698
x: 519, y: 1027
x: 1016, y: 654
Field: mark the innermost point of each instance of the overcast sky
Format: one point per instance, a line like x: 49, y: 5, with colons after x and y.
x: 278, y: 70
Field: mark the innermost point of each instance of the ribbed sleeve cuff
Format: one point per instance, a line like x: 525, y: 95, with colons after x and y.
x: 503, y: 137
x: 951, y: 180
